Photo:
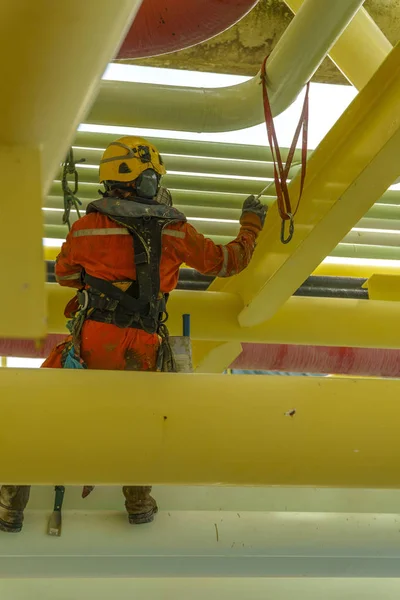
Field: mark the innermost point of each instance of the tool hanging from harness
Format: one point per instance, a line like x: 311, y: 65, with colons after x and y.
x: 140, y: 304
x: 281, y: 172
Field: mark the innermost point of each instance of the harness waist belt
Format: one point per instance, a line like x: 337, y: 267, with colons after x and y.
x: 132, y: 305
x: 105, y: 303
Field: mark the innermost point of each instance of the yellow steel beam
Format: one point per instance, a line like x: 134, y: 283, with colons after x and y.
x: 52, y: 55
x: 361, y: 48
x: 383, y: 287
x: 214, y: 357
x: 63, y: 48
x: 363, y: 268
x: 23, y: 297
x: 198, y: 429
x: 350, y: 169
x: 314, y: 321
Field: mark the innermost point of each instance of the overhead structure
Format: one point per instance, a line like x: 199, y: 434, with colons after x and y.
x: 163, y: 26
x: 314, y: 29
x: 361, y: 48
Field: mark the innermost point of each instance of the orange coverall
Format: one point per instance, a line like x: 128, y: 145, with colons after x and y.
x: 104, y: 249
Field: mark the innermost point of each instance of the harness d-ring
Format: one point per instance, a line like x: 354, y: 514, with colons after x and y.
x: 286, y: 240
x: 84, y: 306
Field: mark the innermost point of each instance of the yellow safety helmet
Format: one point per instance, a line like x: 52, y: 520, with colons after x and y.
x: 127, y: 158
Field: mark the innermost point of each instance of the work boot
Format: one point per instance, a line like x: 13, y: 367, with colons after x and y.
x: 141, y: 507
x: 13, y: 500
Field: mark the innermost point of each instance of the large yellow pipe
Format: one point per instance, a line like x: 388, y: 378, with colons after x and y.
x: 361, y: 48
x: 52, y: 56
x: 314, y: 321
x: 85, y: 426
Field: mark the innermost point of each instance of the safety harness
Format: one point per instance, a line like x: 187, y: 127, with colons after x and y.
x: 141, y: 305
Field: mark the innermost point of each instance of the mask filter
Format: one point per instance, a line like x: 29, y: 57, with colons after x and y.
x: 164, y: 196
x: 147, y: 184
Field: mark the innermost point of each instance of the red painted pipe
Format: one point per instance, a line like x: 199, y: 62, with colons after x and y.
x: 319, y: 359
x: 268, y: 357
x: 163, y: 26
x: 28, y: 348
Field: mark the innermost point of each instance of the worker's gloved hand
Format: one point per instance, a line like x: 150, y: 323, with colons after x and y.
x: 253, y: 212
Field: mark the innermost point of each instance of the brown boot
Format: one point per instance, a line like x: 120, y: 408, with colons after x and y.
x: 141, y: 507
x: 13, y: 500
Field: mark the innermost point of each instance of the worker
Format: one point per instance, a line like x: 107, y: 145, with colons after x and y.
x: 124, y: 256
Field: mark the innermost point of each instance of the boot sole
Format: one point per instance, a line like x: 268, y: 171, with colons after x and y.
x: 8, y: 528
x: 143, y: 518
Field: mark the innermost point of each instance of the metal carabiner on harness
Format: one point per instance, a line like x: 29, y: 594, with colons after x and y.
x: 83, y: 299
x: 286, y: 240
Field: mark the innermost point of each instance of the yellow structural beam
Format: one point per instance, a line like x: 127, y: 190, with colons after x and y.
x: 214, y: 357
x: 361, y: 48
x: 350, y: 169
x: 383, y: 287
x: 314, y: 321
x: 362, y: 268
x: 64, y: 48
x: 23, y: 297
x: 52, y: 55
x: 198, y: 429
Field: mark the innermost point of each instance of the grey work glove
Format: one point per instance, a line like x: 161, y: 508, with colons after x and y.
x: 253, y: 206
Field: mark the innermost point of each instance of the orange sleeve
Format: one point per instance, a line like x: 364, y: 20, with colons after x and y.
x: 68, y: 271
x: 200, y: 253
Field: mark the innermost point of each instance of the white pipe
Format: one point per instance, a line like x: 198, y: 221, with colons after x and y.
x: 360, y: 50
x: 198, y: 588
x: 205, y: 544
x: 294, y: 60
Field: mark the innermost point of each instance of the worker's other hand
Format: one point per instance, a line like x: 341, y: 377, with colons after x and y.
x: 253, y: 212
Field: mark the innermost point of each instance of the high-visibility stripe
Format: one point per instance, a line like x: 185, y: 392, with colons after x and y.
x: 105, y: 231
x: 68, y: 277
x: 174, y: 233
x: 224, y: 268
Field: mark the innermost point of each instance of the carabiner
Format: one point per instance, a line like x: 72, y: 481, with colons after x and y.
x: 291, y: 229
x: 83, y: 305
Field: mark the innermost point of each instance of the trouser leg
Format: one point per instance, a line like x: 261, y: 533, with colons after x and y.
x: 13, y: 500
x: 140, y: 505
